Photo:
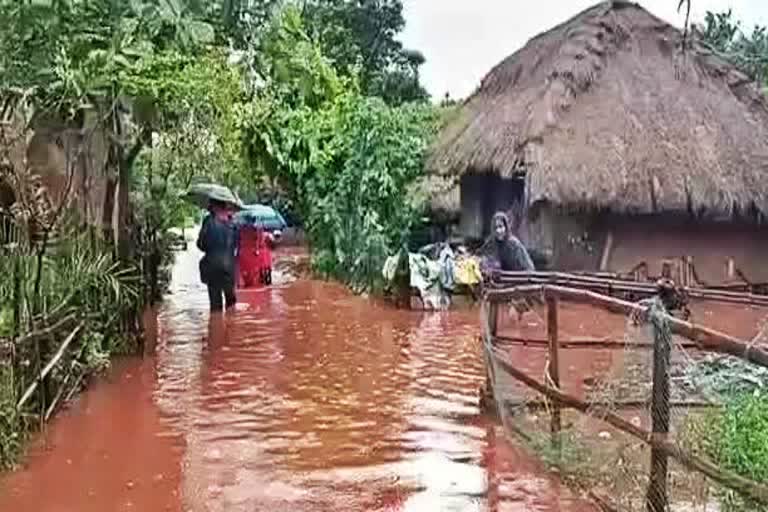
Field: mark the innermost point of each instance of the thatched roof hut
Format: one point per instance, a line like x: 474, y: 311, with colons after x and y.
x: 608, y: 112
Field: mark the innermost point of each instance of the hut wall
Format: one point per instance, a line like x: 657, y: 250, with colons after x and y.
x: 572, y: 241
x: 539, y: 231
x: 578, y: 242
x: 710, y: 245
x: 52, y: 150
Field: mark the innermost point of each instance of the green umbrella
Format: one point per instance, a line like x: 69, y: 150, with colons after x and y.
x: 201, y: 194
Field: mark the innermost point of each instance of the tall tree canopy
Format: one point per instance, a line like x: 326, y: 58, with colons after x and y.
x: 362, y: 35
x: 749, y: 51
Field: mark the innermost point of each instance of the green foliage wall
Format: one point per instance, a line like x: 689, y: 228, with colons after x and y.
x: 348, y: 160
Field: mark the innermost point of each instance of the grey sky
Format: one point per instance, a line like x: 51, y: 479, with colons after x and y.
x: 463, y: 39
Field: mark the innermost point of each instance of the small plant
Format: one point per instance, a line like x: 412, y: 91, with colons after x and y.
x: 737, y: 440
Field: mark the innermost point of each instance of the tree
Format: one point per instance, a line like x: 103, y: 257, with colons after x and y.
x: 749, y: 52
x: 359, y: 36
x: 238, y: 22
x: 687, y: 5
x: 346, y: 160
x: 123, y: 60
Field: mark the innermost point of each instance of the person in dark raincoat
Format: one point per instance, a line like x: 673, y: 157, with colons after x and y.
x: 218, y: 240
x: 503, y: 251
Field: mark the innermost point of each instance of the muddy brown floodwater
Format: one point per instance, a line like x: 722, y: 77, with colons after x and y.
x: 311, y: 399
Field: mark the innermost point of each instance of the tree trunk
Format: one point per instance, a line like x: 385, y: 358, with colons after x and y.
x: 124, y: 212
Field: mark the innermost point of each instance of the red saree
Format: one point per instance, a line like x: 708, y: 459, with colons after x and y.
x: 254, y: 257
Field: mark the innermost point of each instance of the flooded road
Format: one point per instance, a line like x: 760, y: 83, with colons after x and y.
x: 305, y: 399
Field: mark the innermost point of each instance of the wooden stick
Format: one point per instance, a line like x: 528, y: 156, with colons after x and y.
x: 625, y: 285
x: 607, y: 249
x: 731, y: 480
x: 31, y: 389
x: 48, y: 331
x: 707, y: 339
x: 583, y: 343
x: 493, y: 319
x: 647, y: 290
x: 554, y: 366
x: 602, y: 502
x: 490, y: 318
x: 623, y: 404
x: 75, y: 387
x: 59, y: 394
x: 553, y: 277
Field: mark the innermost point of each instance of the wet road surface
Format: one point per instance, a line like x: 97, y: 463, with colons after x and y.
x: 305, y: 399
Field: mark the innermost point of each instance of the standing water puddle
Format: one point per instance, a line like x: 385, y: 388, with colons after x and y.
x: 307, y: 399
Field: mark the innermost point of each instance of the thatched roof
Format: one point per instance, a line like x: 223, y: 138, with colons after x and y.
x: 605, y: 111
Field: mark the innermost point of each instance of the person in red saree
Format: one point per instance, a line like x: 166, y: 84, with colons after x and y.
x: 254, y: 257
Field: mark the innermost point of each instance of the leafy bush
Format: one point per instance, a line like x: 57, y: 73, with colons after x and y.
x: 348, y: 161
x: 723, y: 377
x: 357, y: 203
x: 76, y: 276
x: 737, y: 440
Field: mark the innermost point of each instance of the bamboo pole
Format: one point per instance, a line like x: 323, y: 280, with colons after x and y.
x: 749, y: 488
x: 54, y: 360
x: 554, y: 366
x: 706, y: 339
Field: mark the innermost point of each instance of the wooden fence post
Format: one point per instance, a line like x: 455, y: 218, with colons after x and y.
x: 487, y: 401
x: 494, y: 318
x: 554, y: 364
x: 657, y: 498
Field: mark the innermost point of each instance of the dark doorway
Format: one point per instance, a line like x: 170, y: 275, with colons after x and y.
x: 482, y: 195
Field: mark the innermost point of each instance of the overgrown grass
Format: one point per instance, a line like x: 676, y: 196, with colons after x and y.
x: 735, y: 437
x: 739, y: 443
x: 77, y: 279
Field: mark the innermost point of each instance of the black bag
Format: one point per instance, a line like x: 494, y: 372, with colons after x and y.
x: 204, y: 270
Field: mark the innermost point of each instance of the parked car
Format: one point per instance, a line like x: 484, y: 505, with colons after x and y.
x: 266, y: 216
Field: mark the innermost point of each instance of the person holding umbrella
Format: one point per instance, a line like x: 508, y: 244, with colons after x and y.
x: 218, y: 241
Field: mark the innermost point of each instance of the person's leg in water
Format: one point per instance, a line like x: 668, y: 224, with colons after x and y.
x: 229, y: 292
x: 215, y: 291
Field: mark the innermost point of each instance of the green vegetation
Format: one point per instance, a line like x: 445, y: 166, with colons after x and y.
x: 359, y: 38
x: 736, y: 438
x: 49, y: 293
x: 749, y: 51
x: 346, y: 159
